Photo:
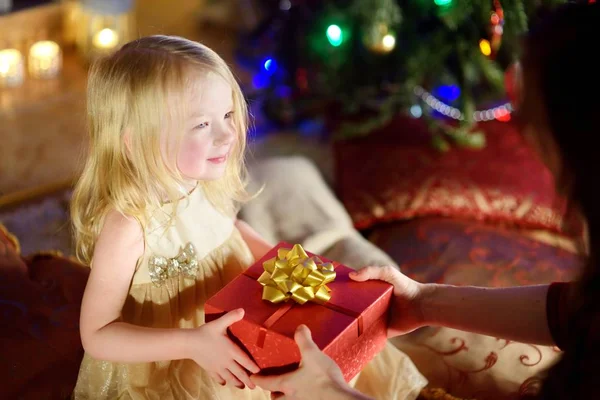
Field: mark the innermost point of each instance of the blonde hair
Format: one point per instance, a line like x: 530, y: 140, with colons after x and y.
x: 130, y: 102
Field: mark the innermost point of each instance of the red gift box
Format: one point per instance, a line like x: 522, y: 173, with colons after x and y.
x: 351, y: 327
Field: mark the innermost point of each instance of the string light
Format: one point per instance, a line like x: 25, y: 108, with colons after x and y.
x: 379, y: 39
x: 447, y: 92
x: 388, y: 42
x: 285, y: 5
x: 270, y: 65
x: 485, y: 47
x: 416, y: 111
x: 334, y: 35
x: 501, y: 113
x: 496, y: 31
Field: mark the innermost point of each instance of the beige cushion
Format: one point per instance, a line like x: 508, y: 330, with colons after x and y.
x: 297, y: 206
x: 470, y: 365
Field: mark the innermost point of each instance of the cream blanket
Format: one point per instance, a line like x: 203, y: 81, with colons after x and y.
x: 297, y: 206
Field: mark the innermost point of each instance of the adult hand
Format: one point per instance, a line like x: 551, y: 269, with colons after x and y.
x: 317, y: 377
x: 406, y: 314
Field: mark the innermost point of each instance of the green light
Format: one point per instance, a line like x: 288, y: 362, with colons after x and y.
x: 442, y: 3
x: 335, y: 35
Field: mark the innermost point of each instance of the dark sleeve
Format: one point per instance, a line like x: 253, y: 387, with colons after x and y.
x: 557, y: 311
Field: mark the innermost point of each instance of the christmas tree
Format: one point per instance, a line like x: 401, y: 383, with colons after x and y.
x: 441, y: 60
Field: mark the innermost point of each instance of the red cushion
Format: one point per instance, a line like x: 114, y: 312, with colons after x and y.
x: 460, y: 252
x: 395, y: 174
x: 40, y: 347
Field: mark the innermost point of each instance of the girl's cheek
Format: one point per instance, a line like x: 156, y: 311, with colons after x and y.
x: 192, y: 155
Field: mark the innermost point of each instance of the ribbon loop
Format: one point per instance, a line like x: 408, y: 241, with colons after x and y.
x: 296, y: 276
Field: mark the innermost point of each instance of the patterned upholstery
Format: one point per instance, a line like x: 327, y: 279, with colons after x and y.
x: 460, y: 252
x: 394, y: 174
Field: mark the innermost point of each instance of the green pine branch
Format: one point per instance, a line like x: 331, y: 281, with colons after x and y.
x: 435, y: 45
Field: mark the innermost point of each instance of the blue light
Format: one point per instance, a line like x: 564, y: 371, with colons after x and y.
x: 448, y: 92
x: 270, y: 65
x: 260, y: 80
x: 283, y: 91
x: 310, y: 127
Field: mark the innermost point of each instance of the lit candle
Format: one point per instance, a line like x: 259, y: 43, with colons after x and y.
x: 106, y: 39
x: 11, y: 67
x: 45, y: 59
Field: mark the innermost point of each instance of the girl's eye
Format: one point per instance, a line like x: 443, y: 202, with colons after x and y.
x: 229, y: 115
x: 201, y: 126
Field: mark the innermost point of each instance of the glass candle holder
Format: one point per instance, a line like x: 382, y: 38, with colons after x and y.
x: 71, y: 18
x: 105, y: 40
x: 103, y: 27
x: 45, y: 60
x: 11, y: 68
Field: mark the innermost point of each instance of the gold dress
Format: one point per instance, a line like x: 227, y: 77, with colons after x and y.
x: 184, y: 263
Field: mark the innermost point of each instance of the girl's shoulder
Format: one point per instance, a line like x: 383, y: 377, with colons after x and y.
x: 120, y: 233
x: 116, y: 223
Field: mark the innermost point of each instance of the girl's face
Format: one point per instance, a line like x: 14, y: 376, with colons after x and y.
x: 210, y: 133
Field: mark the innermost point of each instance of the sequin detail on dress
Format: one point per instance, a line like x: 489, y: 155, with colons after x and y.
x: 161, y: 268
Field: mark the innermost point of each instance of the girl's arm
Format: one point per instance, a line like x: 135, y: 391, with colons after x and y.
x: 258, y: 246
x: 117, y: 250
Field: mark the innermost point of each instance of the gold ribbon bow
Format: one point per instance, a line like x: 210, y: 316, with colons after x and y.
x: 294, y: 275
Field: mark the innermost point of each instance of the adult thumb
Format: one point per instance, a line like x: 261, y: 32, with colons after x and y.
x: 303, y: 338
x: 230, y: 318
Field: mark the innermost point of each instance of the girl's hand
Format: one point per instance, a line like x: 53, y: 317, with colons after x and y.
x: 212, y: 350
x: 406, y: 314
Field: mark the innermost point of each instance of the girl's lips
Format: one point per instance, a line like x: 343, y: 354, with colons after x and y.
x: 218, y: 160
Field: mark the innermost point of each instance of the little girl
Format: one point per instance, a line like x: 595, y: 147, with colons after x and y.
x: 154, y: 216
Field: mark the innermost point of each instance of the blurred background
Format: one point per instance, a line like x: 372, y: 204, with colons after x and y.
x: 42, y: 113
x: 351, y: 66
x: 406, y: 110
